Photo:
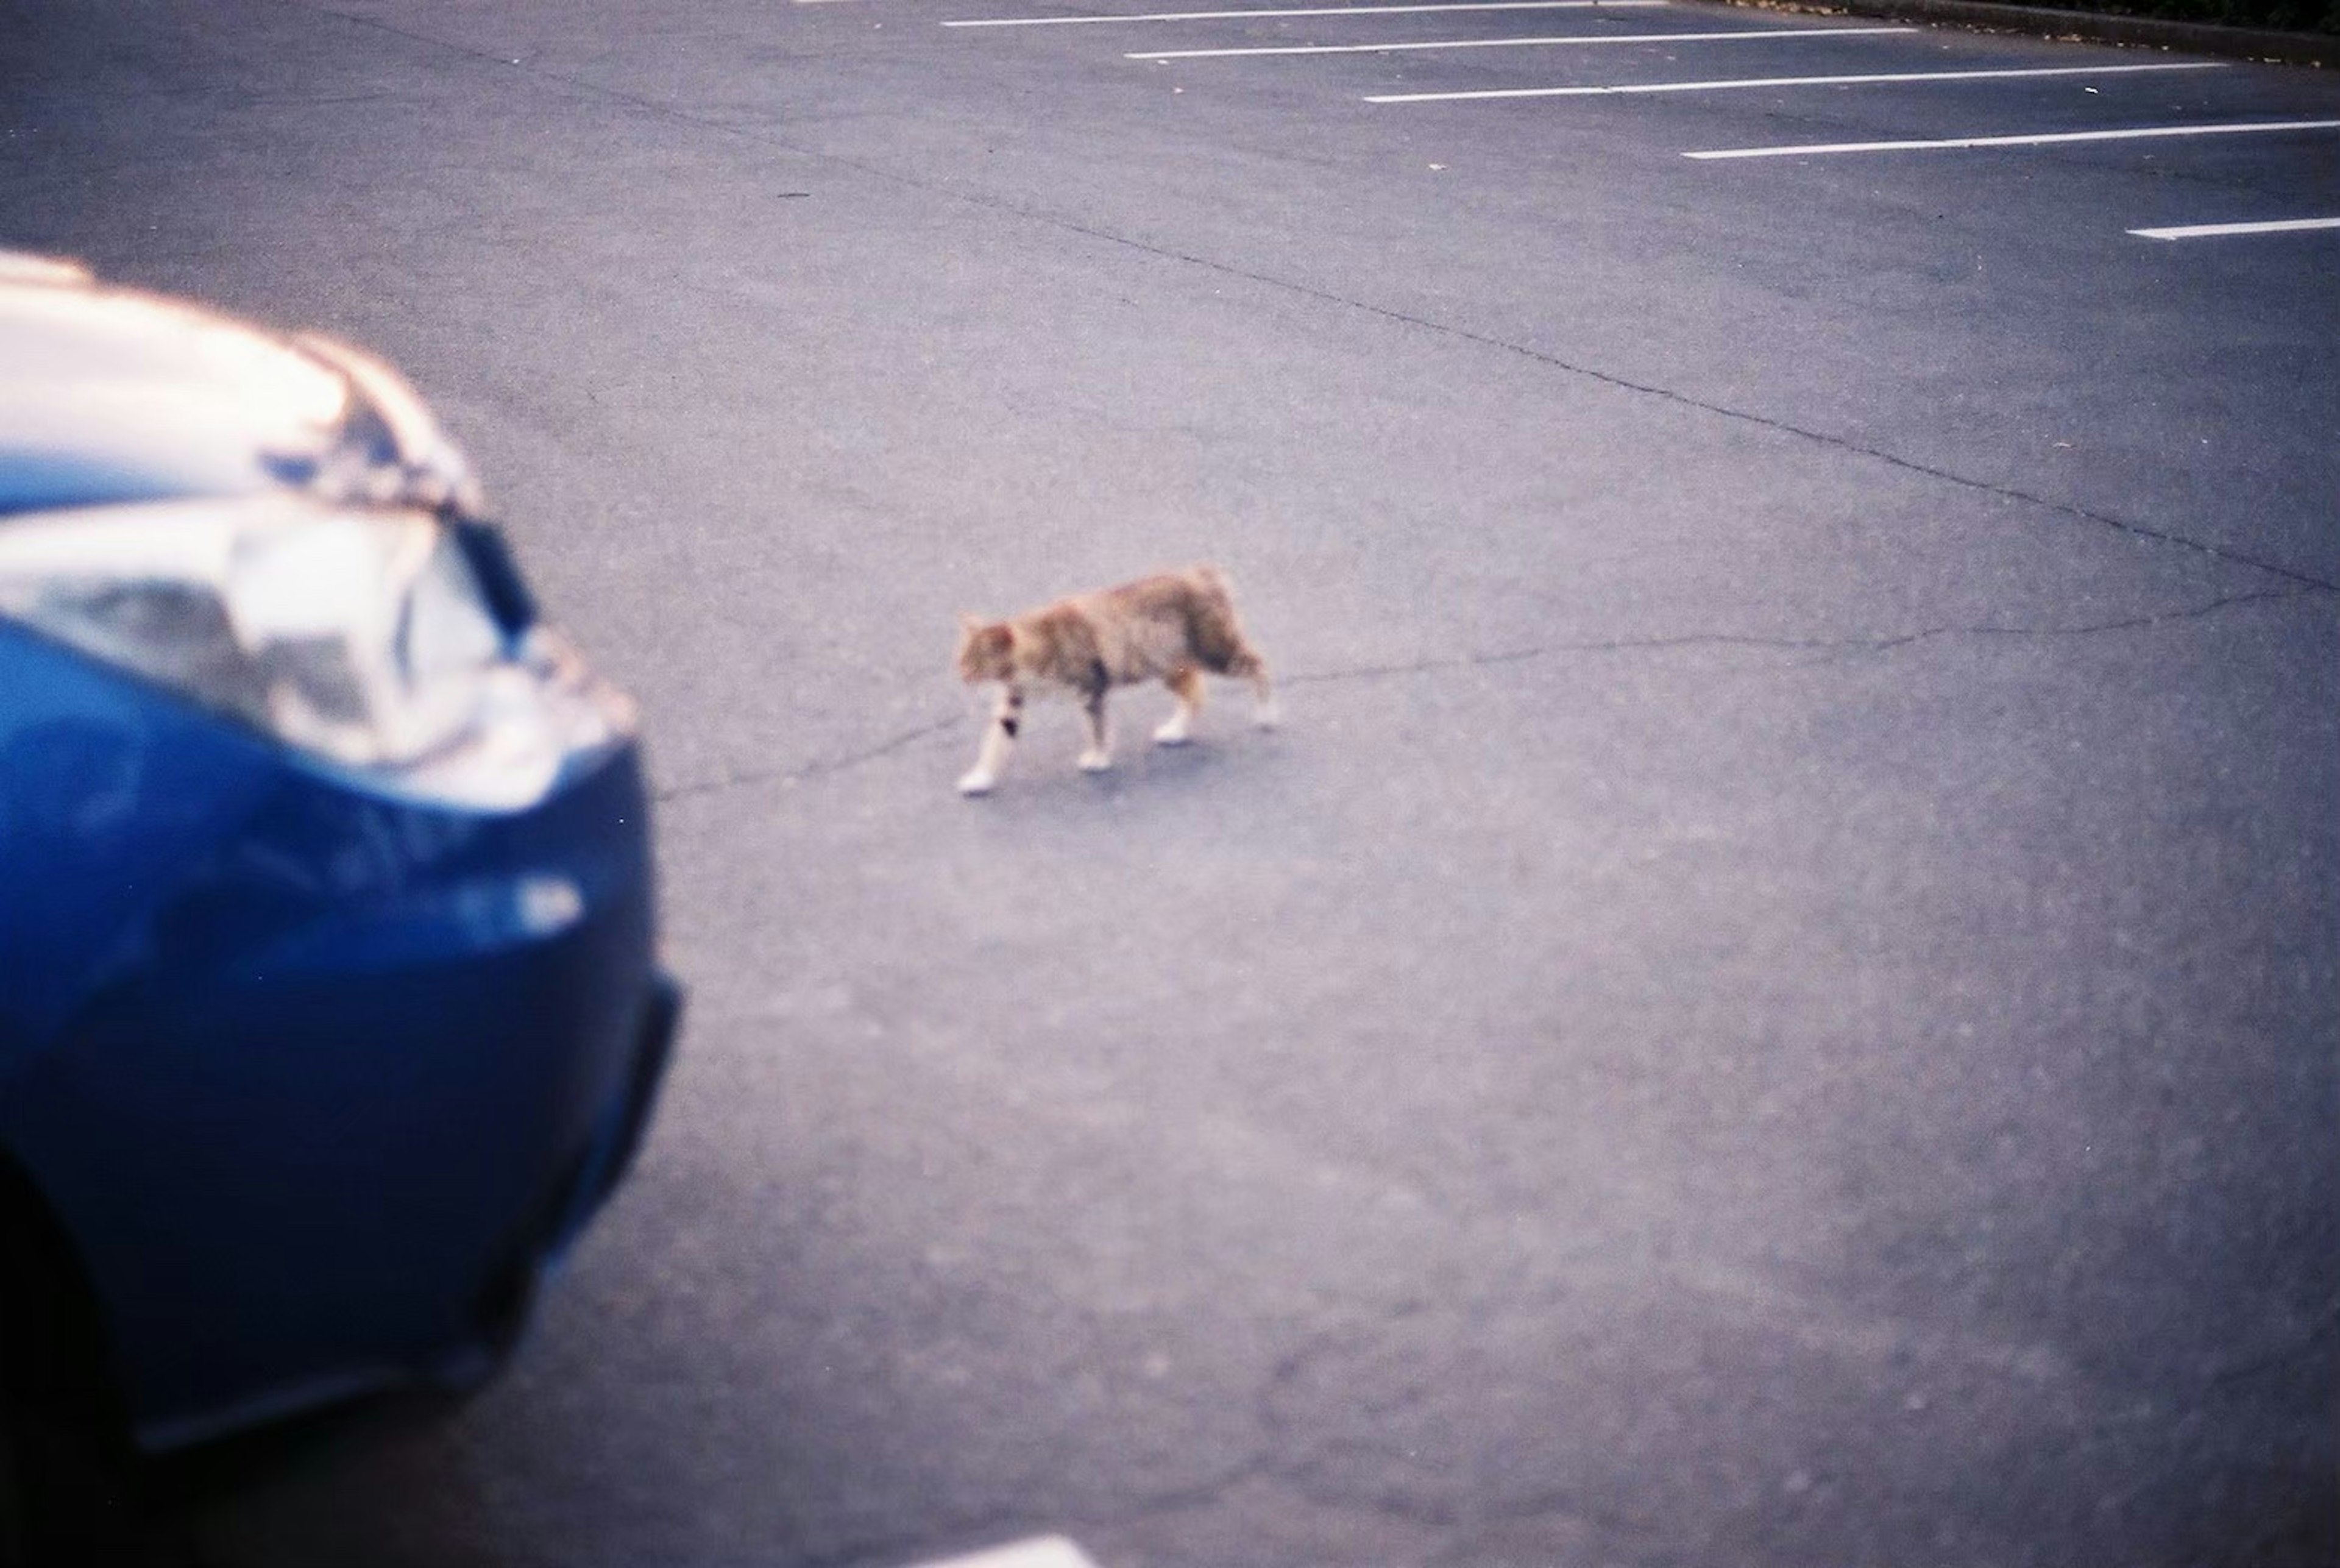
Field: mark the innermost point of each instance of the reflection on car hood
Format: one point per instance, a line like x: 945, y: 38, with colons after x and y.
x: 109, y: 395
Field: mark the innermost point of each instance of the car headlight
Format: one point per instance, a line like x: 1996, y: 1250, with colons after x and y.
x: 370, y: 639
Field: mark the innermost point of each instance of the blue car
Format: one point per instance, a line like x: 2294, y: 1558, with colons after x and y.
x: 330, y: 1008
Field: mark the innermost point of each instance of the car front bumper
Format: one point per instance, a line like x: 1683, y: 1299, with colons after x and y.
x: 318, y: 1080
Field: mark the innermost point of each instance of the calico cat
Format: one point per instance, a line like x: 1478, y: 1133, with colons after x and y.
x: 1170, y: 628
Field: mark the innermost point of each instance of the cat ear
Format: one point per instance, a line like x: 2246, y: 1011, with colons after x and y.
x: 970, y: 622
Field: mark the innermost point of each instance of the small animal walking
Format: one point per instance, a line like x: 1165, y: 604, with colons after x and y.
x: 1170, y: 627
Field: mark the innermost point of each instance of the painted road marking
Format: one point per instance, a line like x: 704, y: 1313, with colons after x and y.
x: 1520, y: 43
x: 1787, y: 82
x: 1040, y: 1552
x: 2138, y: 133
x: 2219, y: 231
x: 1311, y: 11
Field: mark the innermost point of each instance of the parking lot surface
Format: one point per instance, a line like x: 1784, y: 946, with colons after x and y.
x: 1772, y: 1001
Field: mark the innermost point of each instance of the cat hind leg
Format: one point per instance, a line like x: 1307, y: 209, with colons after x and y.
x: 1185, y: 683
x: 1249, y: 666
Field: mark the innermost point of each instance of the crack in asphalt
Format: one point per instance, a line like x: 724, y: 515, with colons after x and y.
x: 1285, y: 1456
x: 1804, y: 644
x: 1842, y: 443
x: 2281, y: 1358
x: 805, y: 772
x: 1279, y: 1460
x: 993, y: 202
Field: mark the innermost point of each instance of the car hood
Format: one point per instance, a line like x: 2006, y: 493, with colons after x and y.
x: 111, y: 396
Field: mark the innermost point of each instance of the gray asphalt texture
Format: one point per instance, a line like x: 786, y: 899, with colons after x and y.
x: 1774, y: 1001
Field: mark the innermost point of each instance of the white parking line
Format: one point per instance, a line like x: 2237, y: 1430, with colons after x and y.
x: 1786, y: 81
x: 2138, y: 133
x: 1311, y: 11
x: 1520, y: 43
x: 1040, y: 1552
x: 2219, y: 231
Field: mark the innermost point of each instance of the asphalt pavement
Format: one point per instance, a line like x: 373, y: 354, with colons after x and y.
x: 1773, y: 1001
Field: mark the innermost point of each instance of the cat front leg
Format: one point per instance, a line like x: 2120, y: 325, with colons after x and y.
x: 998, y: 737
x: 1099, y: 756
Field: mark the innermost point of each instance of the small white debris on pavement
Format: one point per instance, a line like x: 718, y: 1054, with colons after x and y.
x: 1040, y: 1552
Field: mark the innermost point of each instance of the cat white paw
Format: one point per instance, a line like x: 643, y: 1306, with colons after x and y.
x: 1172, y: 732
x: 1268, y: 717
x: 977, y: 783
x: 1096, y: 761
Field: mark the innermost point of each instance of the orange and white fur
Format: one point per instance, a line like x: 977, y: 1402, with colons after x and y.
x: 1171, y: 627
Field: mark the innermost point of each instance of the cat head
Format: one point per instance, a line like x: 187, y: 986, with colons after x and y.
x: 986, y: 650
